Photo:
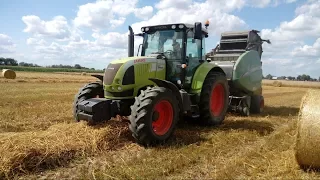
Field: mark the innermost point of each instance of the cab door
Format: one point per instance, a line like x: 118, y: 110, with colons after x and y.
x: 194, y: 54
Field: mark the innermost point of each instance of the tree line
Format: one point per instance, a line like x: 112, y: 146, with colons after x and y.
x: 303, y: 77
x: 13, y: 62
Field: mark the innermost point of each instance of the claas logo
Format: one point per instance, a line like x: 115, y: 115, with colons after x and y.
x: 139, y: 60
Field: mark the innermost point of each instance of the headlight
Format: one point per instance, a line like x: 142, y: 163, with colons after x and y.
x: 142, y: 29
x: 147, y: 29
x: 112, y: 88
x: 173, y: 26
x: 119, y: 88
x: 181, y: 26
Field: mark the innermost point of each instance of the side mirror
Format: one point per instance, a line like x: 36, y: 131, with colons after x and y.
x: 197, y: 30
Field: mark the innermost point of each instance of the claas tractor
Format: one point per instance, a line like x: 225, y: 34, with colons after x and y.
x: 172, y: 77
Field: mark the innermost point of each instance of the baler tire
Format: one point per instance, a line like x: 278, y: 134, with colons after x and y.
x: 90, y: 90
x: 257, y: 104
x: 213, y: 106
x: 148, y: 128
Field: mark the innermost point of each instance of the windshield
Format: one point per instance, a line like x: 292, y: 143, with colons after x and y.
x: 168, y: 42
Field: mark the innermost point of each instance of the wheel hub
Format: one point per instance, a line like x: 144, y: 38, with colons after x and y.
x: 155, y: 116
x: 162, y: 117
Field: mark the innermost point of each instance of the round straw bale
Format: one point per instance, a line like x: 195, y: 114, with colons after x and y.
x: 277, y: 83
x: 307, y: 147
x: 8, y: 73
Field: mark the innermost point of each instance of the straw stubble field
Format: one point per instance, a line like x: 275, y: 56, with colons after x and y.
x: 40, y: 140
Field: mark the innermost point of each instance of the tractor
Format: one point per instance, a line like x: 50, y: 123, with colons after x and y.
x: 172, y: 77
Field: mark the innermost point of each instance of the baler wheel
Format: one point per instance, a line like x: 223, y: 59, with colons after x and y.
x: 90, y: 90
x: 154, y: 115
x: 214, y: 99
x: 257, y: 104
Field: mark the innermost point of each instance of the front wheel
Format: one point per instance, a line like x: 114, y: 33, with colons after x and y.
x: 90, y: 90
x: 214, y: 99
x: 154, y: 115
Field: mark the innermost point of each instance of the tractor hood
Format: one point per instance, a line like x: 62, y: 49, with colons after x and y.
x: 133, y: 60
x: 118, y: 69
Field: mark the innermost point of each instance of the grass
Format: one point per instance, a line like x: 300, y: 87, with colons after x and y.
x: 40, y: 140
x: 44, y: 69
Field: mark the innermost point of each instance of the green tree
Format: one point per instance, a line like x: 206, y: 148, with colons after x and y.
x: 269, y: 76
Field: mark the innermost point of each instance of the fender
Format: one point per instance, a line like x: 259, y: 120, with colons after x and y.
x: 182, y: 96
x: 201, y: 74
x: 98, y: 76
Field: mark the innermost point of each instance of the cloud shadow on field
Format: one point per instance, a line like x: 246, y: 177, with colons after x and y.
x: 281, y: 111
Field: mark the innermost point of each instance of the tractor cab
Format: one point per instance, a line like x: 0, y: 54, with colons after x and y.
x: 181, y: 47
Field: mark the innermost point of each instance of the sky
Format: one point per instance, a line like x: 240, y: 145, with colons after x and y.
x: 93, y: 33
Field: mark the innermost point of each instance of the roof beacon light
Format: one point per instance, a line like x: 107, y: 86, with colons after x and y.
x: 207, y: 24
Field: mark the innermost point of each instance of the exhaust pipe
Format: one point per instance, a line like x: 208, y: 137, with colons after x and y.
x: 130, y: 43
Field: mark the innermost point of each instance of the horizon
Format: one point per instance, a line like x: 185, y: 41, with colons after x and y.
x: 93, y: 33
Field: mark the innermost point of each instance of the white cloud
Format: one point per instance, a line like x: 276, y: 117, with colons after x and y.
x: 102, y: 14
x: 289, y: 54
x: 57, y: 28
x: 307, y: 50
x: 265, y: 3
x: 178, y: 4
x: 6, y: 44
x: 34, y: 41
x: 212, y: 10
x: 144, y: 13
x: 111, y: 39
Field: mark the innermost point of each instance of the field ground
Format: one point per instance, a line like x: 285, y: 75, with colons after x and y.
x: 39, y: 139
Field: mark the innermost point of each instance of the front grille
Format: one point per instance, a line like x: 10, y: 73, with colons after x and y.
x: 126, y: 93
x: 110, y: 72
x: 128, y: 77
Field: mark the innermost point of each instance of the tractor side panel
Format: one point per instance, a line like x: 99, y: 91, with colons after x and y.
x: 200, y: 76
x: 247, y: 75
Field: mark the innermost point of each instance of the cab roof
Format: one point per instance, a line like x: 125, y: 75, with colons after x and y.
x: 169, y: 26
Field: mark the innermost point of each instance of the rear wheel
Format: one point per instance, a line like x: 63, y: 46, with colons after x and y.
x: 257, y: 104
x: 214, y: 99
x: 154, y: 115
x: 91, y: 90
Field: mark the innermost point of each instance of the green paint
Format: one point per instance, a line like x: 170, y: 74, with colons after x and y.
x: 200, y: 76
x: 142, y: 72
x: 247, y: 73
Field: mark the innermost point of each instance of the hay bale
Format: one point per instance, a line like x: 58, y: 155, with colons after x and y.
x: 277, y: 83
x: 307, y: 147
x: 83, y: 73
x: 8, y: 74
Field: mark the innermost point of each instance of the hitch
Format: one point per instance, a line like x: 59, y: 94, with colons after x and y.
x: 97, y: 109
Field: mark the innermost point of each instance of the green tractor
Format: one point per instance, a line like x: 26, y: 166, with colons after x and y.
x: 174, y: 78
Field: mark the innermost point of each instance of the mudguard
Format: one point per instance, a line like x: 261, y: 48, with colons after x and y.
x: 183, y: 97
x: 201, y: 74
x: 100, y: 77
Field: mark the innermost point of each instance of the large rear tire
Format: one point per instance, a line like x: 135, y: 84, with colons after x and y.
x: 91, y: 90
x: 154, y: 116
x: 214, y: 99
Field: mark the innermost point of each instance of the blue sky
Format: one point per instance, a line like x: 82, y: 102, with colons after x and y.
x: 93, y: 33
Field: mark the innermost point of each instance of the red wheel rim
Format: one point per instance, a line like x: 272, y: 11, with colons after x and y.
x: 163, y: 122
x: 217, y: 100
